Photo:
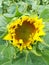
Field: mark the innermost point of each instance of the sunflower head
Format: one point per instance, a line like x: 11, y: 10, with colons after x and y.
x: 24, y: 31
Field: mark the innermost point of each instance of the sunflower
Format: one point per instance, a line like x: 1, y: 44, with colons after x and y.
x: 24, y: 31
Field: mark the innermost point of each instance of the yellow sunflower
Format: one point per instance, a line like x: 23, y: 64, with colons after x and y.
x: 24, y: 31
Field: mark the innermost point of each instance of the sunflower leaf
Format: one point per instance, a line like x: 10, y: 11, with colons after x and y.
x: 45, y: 14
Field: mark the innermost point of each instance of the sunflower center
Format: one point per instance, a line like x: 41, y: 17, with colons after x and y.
x: 23, y: 32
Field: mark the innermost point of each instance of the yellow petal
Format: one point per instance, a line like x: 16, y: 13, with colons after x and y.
x: 20, y: 41
x: 29, y: 47
x: 15, y: 42
x: 8, y: 37
x: 21, y: 48
x: 24, y: 18
x: 41, y: 33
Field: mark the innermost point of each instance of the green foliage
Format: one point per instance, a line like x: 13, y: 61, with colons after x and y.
x: 45, y: 14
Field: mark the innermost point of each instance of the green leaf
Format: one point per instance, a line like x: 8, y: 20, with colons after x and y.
x: 45, y: 54
x: 9, y: 52
x: 45, y: 14
x: 11, y: 11
x: 31, y: 60
x: 46, y: 28
x: 9, y: 15
x: 6, y: 54
x: 2, y: 41
x: 7, y: 63
x: 1, y: 10
x: 2, y: 58
x: 3, y: 21
x: 3, y: 24
x: 46, y: 38
x: 1, y: 2
x: 12, y: 8
x: 22, y: 7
